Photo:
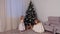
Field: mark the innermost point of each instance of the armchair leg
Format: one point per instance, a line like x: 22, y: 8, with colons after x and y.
x: 54, y: 30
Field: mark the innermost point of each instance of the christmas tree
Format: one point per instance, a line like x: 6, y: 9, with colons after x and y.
x: 30, y: 15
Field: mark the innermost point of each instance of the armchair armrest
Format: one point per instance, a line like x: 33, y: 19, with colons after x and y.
x: 46, y: 23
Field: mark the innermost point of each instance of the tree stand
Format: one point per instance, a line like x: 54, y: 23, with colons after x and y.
x: 28, y: 26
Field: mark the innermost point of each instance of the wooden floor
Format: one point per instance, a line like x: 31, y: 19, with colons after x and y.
x: 25, y: 32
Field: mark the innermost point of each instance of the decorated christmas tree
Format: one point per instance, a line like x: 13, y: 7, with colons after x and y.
x: 30, y: 15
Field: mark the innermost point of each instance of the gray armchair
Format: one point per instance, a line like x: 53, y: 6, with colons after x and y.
x: 53, y: 24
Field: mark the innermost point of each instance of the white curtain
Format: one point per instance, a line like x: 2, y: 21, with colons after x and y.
x: 14, y: 11
x: 10, y: 12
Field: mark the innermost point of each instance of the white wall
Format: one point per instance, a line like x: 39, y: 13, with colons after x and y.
x: 47, y: 8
